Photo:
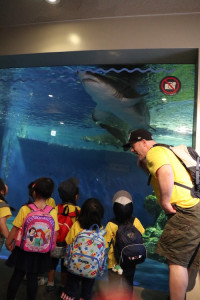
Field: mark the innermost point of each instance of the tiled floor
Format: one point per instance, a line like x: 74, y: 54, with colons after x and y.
x: 5, y: 274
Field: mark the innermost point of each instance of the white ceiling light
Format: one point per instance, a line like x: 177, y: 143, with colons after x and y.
x: 74, y: 39
x: 53, y: 1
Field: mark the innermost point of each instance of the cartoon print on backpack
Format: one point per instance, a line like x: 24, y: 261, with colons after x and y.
x: 31, y: 239
x: 31, y: 236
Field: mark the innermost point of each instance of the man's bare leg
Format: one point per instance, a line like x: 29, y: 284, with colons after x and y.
x: 178, y: 281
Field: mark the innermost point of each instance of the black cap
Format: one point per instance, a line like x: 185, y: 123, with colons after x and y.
x: 68, y: 188
x: 136, y: 136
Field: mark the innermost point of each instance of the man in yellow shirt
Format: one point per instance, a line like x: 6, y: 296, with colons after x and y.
x: 180, y: 239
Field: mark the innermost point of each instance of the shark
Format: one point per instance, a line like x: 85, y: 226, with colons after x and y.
x: 119, y: 107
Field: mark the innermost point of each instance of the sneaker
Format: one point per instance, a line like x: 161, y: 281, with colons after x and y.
x: 50, y: 288
x: 117, y: 269
x: 42, y: 281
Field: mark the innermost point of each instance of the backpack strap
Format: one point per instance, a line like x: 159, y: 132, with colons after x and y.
x: 46, y: 209
x: 110, y: 243
x: 197, y: 171
x: 64, y: 210
x: 33, y: 207
x: 5, y: 204
x: 176, y: 183
x: 92, y: 227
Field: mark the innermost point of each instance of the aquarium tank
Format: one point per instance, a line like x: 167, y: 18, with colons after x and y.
x: 72, y: 121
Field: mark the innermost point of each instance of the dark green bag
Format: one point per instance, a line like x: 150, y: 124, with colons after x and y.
x: 2, y: 239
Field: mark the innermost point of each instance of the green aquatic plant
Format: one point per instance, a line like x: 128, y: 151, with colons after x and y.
x: 153, y: 232
x: 151, y: 205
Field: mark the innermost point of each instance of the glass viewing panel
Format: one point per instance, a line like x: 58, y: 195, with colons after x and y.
x: 71, y: 121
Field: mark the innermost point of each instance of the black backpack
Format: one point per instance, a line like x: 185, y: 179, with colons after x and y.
x: 129, y: 249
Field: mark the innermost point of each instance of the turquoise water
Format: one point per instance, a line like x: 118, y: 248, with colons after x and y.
x: 61, y: 122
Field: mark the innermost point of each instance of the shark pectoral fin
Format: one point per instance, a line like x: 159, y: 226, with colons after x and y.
x: 100, y: 115
x: 103, y: 139
x: 129, y: 102
x: 152, y: 128
x: 115, y: 126
x: 120, y: 135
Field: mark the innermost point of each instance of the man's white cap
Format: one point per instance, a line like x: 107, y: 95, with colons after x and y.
x: 122, y: 197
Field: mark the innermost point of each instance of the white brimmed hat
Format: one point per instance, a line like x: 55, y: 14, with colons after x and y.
x: 122, y: 197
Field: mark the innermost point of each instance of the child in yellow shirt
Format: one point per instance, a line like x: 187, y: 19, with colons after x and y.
x: 29, y: 263
x: 5, y: 212
x: 123, y: 211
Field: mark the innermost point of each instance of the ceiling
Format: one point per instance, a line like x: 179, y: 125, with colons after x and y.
x: 15, y: 13
x: 25, y: 12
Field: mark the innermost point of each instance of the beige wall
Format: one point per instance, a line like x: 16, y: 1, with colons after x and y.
x: 180, y: 31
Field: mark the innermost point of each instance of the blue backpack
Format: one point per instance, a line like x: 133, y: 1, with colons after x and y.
x: 86, y: 256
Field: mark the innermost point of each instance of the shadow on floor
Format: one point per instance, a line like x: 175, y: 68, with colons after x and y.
x: 5, y: 274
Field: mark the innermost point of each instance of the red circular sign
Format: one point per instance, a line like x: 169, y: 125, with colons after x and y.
x: 170, y: 85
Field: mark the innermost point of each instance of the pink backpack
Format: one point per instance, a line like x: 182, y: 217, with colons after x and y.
x: 37, y: 233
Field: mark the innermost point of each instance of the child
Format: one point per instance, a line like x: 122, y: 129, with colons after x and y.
x: 91, y: 213
x: 5, y: 212
x: 123, y: 210
x: 51, y: 202
x: 29, y: 263
x: 69, y: 193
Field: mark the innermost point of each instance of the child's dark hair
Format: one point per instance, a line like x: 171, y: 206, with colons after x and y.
x: 2, y: 188
x: 92, y: 212
x: 43, y: 187
x: 123, y: 213
x: 68, y: 190
x: 3, y: 191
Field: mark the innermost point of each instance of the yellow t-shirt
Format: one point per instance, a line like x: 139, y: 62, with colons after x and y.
x: 25, y: 210
x: 51, y: 202
x: 159, y: 156
x: 5, y: 211
x: 75, y: 229
x: 111, y: 229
